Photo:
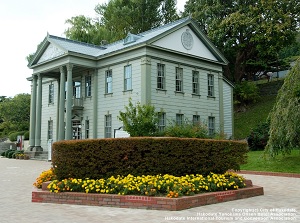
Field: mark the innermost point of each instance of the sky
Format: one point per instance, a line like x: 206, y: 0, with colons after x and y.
x: 24, y: 24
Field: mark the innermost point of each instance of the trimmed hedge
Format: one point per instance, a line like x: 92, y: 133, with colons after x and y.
x: 101, y: 158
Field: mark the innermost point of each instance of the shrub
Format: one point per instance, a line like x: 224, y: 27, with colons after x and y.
x: 246, y: 92
x: 45, y: 176
x: 259, y: 136
x: 187, y: 130
x: 13, y: 136
x: 95, y: 158
x: 3, y: 153
x: 26, y: 135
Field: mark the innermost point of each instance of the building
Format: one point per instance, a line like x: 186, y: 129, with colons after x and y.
x: 78, y: 89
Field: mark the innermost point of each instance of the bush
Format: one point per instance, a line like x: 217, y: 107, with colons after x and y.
x: 3, y: 153
x: 259, y: 136
x: 26, y: 135
x: 101, y: 158
x: 187, y: 130
x: 245, y: 93
x: 13, y: 136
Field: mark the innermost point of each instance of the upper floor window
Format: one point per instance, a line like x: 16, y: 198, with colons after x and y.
x: 179, y: 80
x: 108, y: 82
x: 88, y: 86
x: 195, y: 82
x: 210, y: 85
x: 179, y: 119
x: 107, y: 130
x: 51, y: 93
x: 161, y: 76
x: 211, y: 125
x: 76, y: 89
x: 127, y: 78
x: 161, y: 121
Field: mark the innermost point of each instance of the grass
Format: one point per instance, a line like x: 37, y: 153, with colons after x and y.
x: 259, y: 161
x: 254, y: 115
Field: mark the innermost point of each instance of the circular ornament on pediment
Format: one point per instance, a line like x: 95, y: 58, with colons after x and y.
x: 187, y: 40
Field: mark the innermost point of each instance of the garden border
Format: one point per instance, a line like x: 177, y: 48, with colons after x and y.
x: 145, y: 202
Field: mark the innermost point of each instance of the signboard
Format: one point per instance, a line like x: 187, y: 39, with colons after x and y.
x: 121, y: 134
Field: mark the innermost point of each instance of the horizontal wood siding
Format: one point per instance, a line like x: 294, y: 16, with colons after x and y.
x: 227, y: 103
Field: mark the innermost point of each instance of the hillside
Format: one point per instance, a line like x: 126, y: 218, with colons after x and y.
x: 257, y: 112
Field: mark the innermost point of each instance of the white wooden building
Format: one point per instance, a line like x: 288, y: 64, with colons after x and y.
x: 78, y: 89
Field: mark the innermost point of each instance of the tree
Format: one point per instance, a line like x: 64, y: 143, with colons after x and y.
x: 118, y: 17
x: 249, y: 33
x: 15, y: 113
x: 285, y: 115
x: 139, y: 120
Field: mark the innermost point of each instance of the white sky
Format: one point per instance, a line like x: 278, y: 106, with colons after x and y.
x: 24, y: 24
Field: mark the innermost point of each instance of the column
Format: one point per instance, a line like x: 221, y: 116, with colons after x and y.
x: 38, y: 123
x: 95, y: 104
x: 32, y: 113
x: 146, y: 80
x: 68, y: 135
x: 221, y: 102
x: 61, y: 109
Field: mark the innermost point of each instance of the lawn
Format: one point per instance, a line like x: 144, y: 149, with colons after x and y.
x: 254, y: 115
x: 258, y: 161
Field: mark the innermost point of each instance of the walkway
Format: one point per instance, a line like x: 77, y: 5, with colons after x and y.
x: 282, y: 197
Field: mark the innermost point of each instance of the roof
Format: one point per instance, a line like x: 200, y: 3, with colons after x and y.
x: 132, y: 40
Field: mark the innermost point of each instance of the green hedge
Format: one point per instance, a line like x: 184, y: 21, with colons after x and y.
x: 97, y: 158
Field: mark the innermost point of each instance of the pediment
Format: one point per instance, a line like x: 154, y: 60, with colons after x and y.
x: 187, y: 41
x: 51, y: 52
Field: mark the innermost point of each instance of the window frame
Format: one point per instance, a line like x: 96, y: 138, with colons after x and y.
x: 179, y: 119
x: 108, y: 82
x: 161, y: 77
x: 196, y: 119
x: 179, y: 80
x: 161, y: 121
x: 210, y: 85
x: 50, y: 129
x: 51, y: 94
x: 128, y: 79
x: 88, y: 86
x: 211, y: 125
x: 195, y: 82
x: 87, y: 129
x: 108, y: 128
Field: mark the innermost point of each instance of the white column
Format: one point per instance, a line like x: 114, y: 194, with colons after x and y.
x: 61, y: 110
x: 38, y: 123
x: 68, y: 135
x: 95, y: 104
x: 32, y: 113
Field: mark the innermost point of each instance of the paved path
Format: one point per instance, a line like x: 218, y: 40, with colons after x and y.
x: 17, y: 177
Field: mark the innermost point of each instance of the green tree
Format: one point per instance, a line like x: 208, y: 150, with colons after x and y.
x: 285, y: 116
x: 250, y: 33
x: 139, y: 120
x: 15, y: 113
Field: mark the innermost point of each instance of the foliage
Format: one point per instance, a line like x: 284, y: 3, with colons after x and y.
x: 103, y: 158
x: 159, y: 185
x: 45, y: 176
x: 249, y: 34
x: 285, y: 116
x: 259, y: 136
x: 261, y: 161
x: 137, y: 16
x: 246, y: 92
x: 139, y: 120
x: 187, y: 130
x: 15, y: 113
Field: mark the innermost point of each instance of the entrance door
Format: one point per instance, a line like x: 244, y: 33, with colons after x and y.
x: 76, y: 125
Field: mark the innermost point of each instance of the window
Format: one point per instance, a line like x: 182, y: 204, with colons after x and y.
x: 107, y: 130
x: 127, y: 78
x: 76, y: 127
x: 50, y: 129
x: 87, y: 129
x: 108, y: 82
x: 88, y: 86
x: 161, y: 76
x: 195, y: 82
x: 76, y: 89
x: 161, y: 121
x: 210, y: 85
x: 179, y: 119
x: 179, y: 79
x: 51, y: 93
x: 211, y: 125
x: 196, y: 119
